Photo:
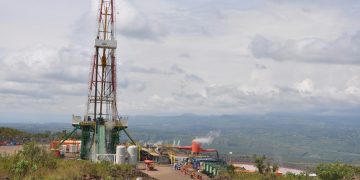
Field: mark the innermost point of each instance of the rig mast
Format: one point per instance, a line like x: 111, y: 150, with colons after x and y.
x: 101, y: 125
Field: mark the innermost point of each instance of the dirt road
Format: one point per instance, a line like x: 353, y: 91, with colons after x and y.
x: 164, y: 172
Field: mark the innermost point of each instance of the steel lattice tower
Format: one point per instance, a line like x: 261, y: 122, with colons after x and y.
x: 102, y: 125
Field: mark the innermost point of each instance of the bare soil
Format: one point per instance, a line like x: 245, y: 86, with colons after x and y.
x: 164, y: 172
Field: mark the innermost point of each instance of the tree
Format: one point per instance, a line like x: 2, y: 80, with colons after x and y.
x: 275, y: 167
x: 259, y: 163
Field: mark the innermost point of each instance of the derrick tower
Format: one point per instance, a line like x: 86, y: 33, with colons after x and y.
x: 101, y: 125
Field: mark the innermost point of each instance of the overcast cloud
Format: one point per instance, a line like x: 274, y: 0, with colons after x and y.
x: 190, y: 56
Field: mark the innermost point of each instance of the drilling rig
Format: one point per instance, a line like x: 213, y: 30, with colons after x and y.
x: 101, y: 125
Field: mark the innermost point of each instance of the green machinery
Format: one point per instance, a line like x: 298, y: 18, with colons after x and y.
x: 88, y: 137
x: 103, y: 145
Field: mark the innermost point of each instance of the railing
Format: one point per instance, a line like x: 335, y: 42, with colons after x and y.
x: 123, y: 120
x: 106, y: 157
x: 76, y: 119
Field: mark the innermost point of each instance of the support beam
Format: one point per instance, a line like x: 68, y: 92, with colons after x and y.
x: 67, y: 136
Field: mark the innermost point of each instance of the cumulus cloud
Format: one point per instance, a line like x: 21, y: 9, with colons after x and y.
x: 302, y: 96
x: 176, y: 68
x: 134, y: 24
x: 343, y: 50
x: 130, y: 84
x: 134, y: 68
x: 44, y: 64
x: 189, y: 77
x: 131, y: 23
x: 44, y: 72
x: 194, y: 57
x: 260, y: 66
x: 194, y: 78
x: 305, y: 86
x: 184, y: 55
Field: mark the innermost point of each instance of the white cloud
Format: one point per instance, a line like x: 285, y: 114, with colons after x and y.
x: 305, y: 86
x: 343, y: 50
x: 131, y: 22
x: 192, y: 57
x: 46, y: 64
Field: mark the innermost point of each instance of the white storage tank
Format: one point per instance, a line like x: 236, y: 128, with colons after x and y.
x: 120, y: 154
x: 72, y: 148
x: 79, y: 147
x: 63, y: 148
x: 133, y: 154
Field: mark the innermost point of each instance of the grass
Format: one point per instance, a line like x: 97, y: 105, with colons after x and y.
x: 35, y: 162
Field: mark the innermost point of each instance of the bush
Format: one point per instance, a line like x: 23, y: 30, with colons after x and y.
x: 30, y: 159
x: 35, y: 162
x: 335, y: 171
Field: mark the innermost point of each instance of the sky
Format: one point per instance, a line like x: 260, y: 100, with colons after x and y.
x: 190, y: 56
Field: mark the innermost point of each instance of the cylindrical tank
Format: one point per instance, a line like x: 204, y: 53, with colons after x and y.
x: 76, y: 149
x: 214, y: 171
x: 79, y: 147
x: 120, y: 154
x: 202, y: 166
x: 63, y: 148
x: 195, y: 148
x: 133, y: 154
x: 72, y: 148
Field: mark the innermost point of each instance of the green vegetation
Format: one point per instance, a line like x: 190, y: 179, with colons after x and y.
x: 329, y: 171
x: 336, y: 171
x: 16, y: 136
x: 259, y: 163
x: 10, y: 133
x: 294, y: 140
x: 36, y: 162
x: 258, y: 176
x: 267, y: 169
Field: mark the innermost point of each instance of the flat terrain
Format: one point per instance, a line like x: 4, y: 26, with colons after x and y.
x: 164, y: 172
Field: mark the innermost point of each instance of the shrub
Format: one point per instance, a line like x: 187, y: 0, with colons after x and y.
x: 30, y: 159
x: 335, y: 171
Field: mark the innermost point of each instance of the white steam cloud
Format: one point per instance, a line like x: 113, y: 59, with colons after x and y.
x: 209, y: 138
x: 176, y: 144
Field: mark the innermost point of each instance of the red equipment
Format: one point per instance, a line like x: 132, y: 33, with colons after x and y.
x: 150, y: 165
x: 196, y: 148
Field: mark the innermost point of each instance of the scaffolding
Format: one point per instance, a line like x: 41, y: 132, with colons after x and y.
x: 102, y: 125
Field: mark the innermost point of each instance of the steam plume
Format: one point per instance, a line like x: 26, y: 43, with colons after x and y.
x: 209, y: 138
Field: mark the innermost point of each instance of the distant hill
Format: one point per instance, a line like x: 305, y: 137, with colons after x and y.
x: 287, y: 138
x: 10, y: 132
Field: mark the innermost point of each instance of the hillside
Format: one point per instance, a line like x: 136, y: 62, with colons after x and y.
x: 10, y: 132
x: 295, y: 139
x: 289, y: 139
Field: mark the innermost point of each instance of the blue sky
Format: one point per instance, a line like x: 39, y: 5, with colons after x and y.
x: 175, y: 57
